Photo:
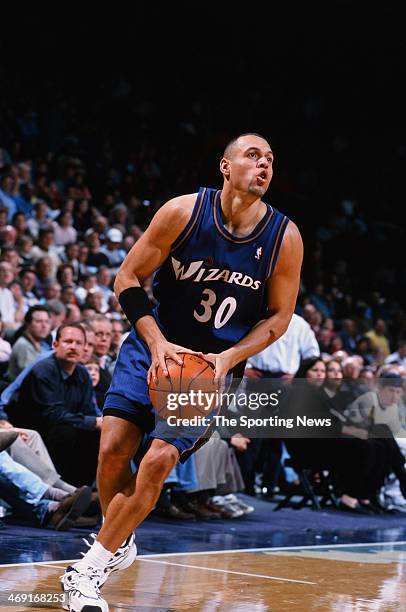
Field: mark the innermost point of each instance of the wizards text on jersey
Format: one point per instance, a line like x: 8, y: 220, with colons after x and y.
x: 211, y: 290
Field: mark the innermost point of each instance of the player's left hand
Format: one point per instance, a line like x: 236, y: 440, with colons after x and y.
x: 222, y: 365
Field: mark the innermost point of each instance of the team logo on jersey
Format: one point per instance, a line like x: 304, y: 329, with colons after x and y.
x: 197, y: 273
x: 258, y: 254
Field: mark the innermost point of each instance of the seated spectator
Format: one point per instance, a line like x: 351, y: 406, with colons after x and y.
x: 65, y: 274
x: 20, y: 224
x: 378, y: 338
x: 312, y: 316
x: 95, y: 258
x: 10, y: 314
x: 321, y: 301
x: 56, y: 398
x: 82, y: 258
x: 100, y: 333
x: 45, y: 276
x: 45, y: 247
x: 19, y: 300
x: 87, y: 311
x: 113, y: 249
x: 28, y: 280
x: 34, y: 501
x: 70, y: 256
x: 82, y: 215
x: 24, y: 247
x: 117, y: 338
x: 94, y: 299
x: 32, y: 341
x: 379, y: 406
x: 104, y: 281
x: 102, y: 328
x: 118, y: 215
x: 336, y: 344
x: 348, y: 335
x: 8, y: 238
x: 364, y: 349
x: 93, y: 367
x: 87, y: 282
x: 40, y: 219
x: 114, y: 308
x: 73, y: 313
x: 399, y: 356
x: 68, y: 294
x: 57, y: 312
x: 351, y: 387
x: 367, y: 378
x: 283, y: 357
x: 64, y: 232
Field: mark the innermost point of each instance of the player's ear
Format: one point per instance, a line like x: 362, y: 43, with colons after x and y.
x: 225, y: 167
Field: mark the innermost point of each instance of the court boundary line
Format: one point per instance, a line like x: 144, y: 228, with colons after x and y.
x: 222, y: 552
x: 223, y: 571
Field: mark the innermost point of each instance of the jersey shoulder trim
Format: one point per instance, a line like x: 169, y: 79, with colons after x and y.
x: 283, y: 223
x: 185, y: 233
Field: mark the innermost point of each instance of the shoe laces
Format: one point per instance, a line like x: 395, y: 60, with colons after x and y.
x: 85, y: 580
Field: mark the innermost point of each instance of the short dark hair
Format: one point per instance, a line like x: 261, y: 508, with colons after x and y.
x: 230, y: 145
x: 76, y: 325
x: 25, y: 271
x: 32, y: 309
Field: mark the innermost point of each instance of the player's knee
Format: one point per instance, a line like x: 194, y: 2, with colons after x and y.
x: 111, y: 452
x: 158, y: 462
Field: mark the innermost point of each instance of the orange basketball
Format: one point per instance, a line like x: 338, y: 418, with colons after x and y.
x: 188, y: 391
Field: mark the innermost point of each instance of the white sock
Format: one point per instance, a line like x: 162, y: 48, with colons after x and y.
x: 97, y: 557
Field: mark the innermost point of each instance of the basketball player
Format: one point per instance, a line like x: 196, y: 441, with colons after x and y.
x: 227, y: 277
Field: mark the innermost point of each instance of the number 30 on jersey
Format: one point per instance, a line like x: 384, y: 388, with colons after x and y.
x: 224, y: 311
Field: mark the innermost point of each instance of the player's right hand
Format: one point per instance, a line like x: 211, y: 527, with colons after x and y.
x: 161, y: 350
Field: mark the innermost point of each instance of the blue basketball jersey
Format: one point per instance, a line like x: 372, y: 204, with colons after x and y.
x: 211, y: 290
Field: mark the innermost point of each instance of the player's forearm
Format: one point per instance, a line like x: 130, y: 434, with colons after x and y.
x: 261, y: 336
x: 145, y: 326
x: 124, y: 280
x: 149, y: 331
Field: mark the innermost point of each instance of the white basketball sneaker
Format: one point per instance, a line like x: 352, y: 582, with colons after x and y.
x: 81, y: 586
x: 123, y: 557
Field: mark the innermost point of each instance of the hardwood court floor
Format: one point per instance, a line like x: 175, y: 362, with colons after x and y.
x: 339, y: 578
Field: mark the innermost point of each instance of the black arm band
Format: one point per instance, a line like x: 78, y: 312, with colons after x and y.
x: 135, y: 303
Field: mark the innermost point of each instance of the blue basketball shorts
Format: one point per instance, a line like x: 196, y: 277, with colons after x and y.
x: 128, y: 398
